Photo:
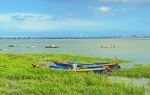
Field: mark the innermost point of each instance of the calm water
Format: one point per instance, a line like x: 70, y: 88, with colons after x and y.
x: 139, y: 82
x: 137, y: 50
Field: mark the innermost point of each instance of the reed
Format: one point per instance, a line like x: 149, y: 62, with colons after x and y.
x: 18, y: 77
x: 139, y: 71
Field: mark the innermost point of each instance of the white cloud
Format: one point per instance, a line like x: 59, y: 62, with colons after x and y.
x: 4, y: 19
x: 105, y: 10
x: 41, y: 22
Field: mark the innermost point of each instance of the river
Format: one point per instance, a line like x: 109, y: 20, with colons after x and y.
x: 136, y: 50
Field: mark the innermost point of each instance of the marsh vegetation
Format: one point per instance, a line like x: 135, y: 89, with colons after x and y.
x: 17, y: 76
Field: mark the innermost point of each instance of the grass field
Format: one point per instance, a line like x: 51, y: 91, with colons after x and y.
x: 138, y: 71
x: 18, y: 77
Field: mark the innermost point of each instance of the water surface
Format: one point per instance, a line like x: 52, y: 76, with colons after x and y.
x: 136, y: 50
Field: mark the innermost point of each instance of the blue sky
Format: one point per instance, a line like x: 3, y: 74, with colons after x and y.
x: 74, y: 17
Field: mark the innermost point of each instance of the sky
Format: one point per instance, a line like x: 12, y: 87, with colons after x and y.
x: 74, y: 18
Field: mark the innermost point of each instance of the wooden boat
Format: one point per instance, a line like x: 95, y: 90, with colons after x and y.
x: 51, y: 46
x: 63, y: 67
x: 12, y: 46
x: 33, y: 46
x: 109, y: 46
x: 74, y: 65
x: 98, y: 67
x: 110, y: 65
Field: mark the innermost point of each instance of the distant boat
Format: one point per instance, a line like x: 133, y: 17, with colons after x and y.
x: 12, y: 46
x: 51, y: 46
x: 3, y: 49
x: 33, y: 46
x: 109, y: 46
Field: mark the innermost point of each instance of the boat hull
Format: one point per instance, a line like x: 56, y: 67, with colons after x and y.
x: 97, y: 70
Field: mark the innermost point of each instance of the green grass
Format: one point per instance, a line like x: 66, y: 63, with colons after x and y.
x: 18, y: 77
x: 139, y: 71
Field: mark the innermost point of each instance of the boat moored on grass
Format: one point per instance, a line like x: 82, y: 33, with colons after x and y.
x: 78, y: 67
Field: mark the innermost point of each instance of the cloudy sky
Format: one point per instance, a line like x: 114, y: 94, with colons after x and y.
x: 74, y: 17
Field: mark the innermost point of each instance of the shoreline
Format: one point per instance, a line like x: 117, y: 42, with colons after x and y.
x: 5, y: 38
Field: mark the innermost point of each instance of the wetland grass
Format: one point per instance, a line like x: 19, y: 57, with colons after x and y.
x: 18, y: 77
x: 138, y: 71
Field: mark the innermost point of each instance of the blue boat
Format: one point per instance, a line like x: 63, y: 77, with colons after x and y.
x: 73, y: 67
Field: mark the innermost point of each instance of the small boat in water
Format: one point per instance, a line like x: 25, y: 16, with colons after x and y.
x: 109, y: 46
x: 12, y: 46
x: 3, y: 50
x: 33, y: 46
x: 51, y: 46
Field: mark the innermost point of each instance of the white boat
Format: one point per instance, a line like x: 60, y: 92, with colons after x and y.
x: 109, y: 46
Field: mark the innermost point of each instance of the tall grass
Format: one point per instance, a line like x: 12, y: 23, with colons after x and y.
x: 18, y: 77
x: 139, y: 71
